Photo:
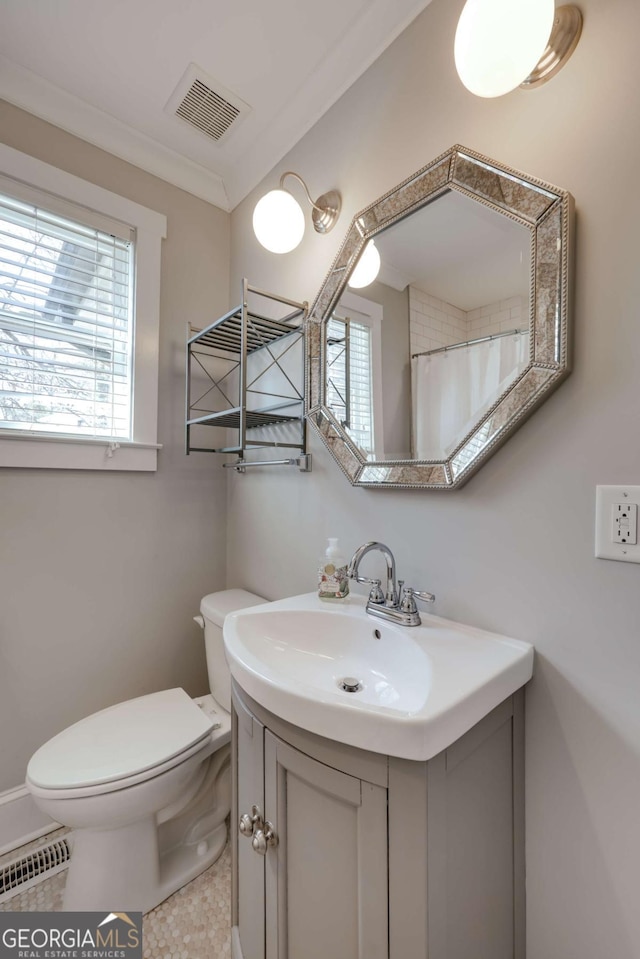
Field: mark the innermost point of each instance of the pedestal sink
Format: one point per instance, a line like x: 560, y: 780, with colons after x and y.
x: 342, y: 674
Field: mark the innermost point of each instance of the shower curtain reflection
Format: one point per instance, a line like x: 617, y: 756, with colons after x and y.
x: 451, y: 388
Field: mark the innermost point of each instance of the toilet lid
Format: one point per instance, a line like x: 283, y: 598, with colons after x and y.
x: 120, y: 741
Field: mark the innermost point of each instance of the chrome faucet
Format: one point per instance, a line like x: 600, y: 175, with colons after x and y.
x: 387, y: 605
x: 390, y: 598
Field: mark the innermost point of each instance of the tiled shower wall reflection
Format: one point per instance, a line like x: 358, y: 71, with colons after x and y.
x: 435, y: 323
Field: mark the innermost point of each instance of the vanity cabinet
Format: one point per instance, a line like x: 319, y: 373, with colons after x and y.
x: 374, y: 857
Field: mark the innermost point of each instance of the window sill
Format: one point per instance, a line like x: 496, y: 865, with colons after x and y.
x: 27, y: 451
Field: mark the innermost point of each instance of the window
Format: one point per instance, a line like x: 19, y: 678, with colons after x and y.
x: 354, y: 371
x: 79, y: 311
x: 65, y: 325
x: 349, y: 378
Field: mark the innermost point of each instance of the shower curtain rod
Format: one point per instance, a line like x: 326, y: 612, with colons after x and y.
x: 457, y: 346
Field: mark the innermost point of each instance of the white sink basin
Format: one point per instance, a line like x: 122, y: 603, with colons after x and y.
x: 420, y: 688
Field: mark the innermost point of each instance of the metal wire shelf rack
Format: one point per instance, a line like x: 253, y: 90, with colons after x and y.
x: 245, y: 373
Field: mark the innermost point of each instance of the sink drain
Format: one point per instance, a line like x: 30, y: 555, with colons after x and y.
x: 350, y: 684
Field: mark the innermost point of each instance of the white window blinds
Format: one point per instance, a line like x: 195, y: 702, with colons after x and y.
x: 349, y: 379
x: 66, y: 323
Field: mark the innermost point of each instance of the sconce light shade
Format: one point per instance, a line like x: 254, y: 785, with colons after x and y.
x: 499, y: 42
x: 278, y: 221
x: 367, y: 267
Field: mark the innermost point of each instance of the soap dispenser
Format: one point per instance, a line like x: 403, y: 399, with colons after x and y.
x: 333, y: 581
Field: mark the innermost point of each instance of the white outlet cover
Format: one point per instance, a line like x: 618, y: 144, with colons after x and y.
x: 606, y: 498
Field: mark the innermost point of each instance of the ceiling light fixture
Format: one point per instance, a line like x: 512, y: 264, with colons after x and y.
x: 278, y: 220
x: 367, y: 267
x: 503, y: 44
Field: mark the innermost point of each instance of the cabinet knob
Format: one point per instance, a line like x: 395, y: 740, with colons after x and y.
x: 263, y: 838
x: 250, y: 822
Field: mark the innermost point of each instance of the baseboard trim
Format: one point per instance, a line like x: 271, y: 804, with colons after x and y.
x: 20, y: 819
x: 236, y: 948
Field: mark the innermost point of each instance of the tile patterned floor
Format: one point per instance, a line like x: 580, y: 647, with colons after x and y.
x: 194, y: 923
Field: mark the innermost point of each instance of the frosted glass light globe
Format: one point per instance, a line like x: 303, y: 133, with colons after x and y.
x: 367, y: 268
x: 499, y: 42
x: 278, y: 222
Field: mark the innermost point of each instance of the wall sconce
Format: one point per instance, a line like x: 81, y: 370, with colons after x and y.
x: 367, y: 267
x: 278, y: 220
x: 503, y: 44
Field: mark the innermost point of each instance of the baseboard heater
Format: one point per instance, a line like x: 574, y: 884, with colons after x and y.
x: 43, y: 862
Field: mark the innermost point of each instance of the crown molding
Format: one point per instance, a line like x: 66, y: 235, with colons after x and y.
x: 32, y: 93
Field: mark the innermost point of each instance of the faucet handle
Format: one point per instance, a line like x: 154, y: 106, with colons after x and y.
x: 423, y: 596
x: 376, y: 595
x: 409, y: 596
x: 407, y: 602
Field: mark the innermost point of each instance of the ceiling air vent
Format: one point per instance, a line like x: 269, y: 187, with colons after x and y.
x: 205, y: 104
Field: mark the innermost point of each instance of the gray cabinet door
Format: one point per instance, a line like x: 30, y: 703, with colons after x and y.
x: 456, y: 846
x: 248, y: 868
x: 326, y: 882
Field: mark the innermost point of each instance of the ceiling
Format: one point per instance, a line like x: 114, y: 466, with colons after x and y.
x: 107, y: 71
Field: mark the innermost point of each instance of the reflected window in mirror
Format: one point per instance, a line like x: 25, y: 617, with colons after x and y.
x: 349, y: 378
x: 354, y: 371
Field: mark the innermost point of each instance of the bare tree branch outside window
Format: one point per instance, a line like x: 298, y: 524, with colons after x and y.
x: 65, y: 352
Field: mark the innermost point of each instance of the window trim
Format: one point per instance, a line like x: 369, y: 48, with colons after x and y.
x: 371, y: 314
x: 24, y: 449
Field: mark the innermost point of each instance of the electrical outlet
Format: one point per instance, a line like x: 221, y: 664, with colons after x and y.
x: 617, y: 523
x: 624, y: 523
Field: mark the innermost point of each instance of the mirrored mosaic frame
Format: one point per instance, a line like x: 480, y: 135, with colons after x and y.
x: 548, y: 213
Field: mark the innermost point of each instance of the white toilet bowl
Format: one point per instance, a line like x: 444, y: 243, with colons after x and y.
x: 145, y: 785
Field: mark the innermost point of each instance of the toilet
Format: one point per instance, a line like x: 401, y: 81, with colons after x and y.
x: 145, y: 785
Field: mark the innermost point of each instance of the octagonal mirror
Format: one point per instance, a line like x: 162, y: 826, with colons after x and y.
x: 417, y: 378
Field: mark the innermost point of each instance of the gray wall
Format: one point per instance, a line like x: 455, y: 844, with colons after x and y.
x: 100, y: 574
x: 396, y: 367
x: 513, y: 550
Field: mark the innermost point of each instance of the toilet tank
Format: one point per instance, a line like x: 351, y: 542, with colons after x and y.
x: 214, y: 608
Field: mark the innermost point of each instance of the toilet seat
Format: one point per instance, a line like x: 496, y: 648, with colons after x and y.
x: 125, y: 744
